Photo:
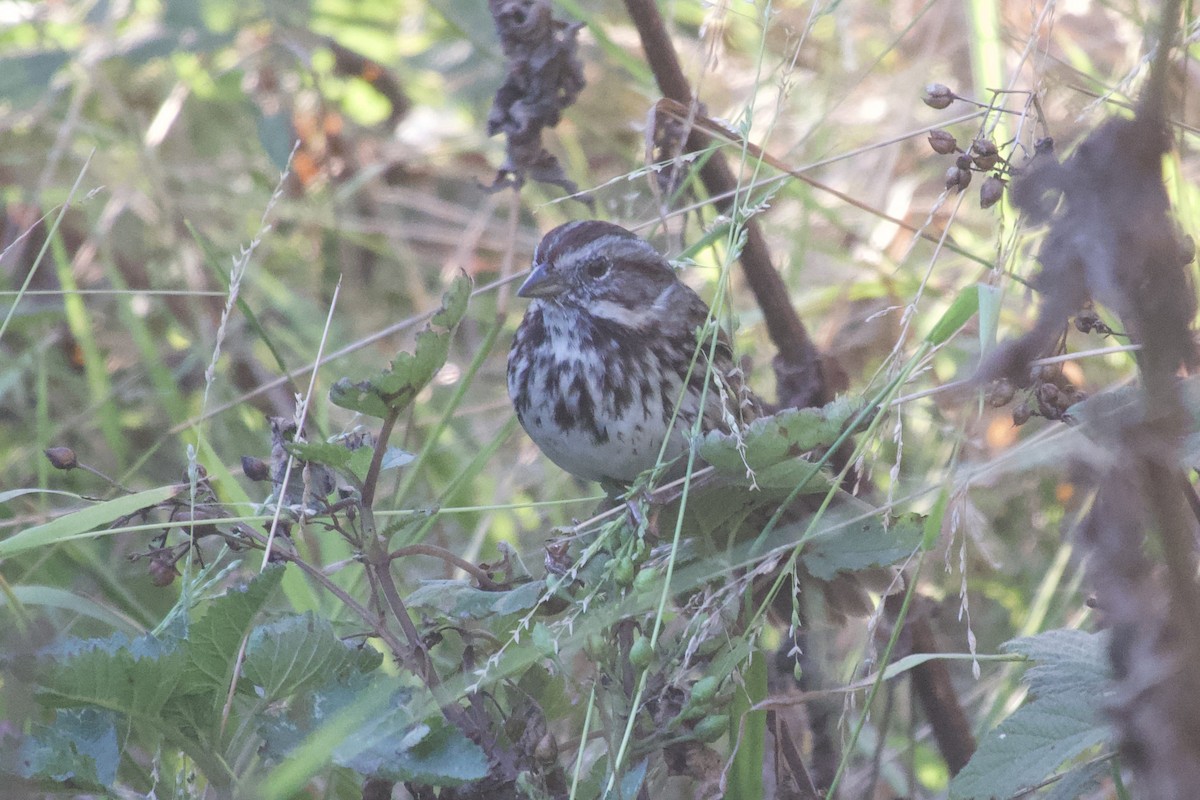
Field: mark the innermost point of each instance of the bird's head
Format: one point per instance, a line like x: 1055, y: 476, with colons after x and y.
x: 588, y: 263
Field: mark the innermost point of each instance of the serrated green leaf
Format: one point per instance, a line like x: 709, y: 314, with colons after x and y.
x: 548, y: 690
x: 133, y: 677
x: 715, y: 510
x: 444, y: 756
x: 79, y: 749
x: 361, y: 397
x: 770, y: 440
x: 357, y: 461
x: 454, y: 303
x: 388, y: 742
x: 300, y: 653
x: 1079, y: 781
x: 1069, y: 661
x: 395, y: 388
x: 1062, y: 720
x: 863, y: 544
x: 330, y: 454
x: 461, y: 600
x: 788, y: 476
x: 215, y: 639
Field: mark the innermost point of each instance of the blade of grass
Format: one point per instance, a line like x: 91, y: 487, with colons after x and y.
x: 95, y: 368
x: 84, y: 522
x: 749, y: 729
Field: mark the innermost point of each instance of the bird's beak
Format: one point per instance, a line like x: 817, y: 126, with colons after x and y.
x: 542, y: 282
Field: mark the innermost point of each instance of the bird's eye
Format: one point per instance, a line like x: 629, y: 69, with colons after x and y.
x: 596, y: 268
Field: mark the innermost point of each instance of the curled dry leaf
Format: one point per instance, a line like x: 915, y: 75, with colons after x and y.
x: 544, y: 76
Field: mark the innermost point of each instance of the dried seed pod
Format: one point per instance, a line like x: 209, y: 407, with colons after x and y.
x: 938, y: 95
x: 958, y: 178
x: 984, y: 153
x: 1000, y: 393
x: 943, y: 142
x: 1048, y: 393
x: 1088, y: 320
x: 1050, y: 401
x: 991, y: 191
x: 62, y: 458
x: 162, y: 571
x: 256, y: 469
x: 1021, y: 413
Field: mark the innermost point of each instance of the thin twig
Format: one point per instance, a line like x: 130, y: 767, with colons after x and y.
x: 799, y: 376
x: 481, y: 576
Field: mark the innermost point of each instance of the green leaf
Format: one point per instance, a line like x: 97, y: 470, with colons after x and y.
x: 1081, y: 781
x: 389, y: 742
x: 965, y: 306
x: 77, y: 603
x: 330, y: 454
x: 454, y: 303
x: 863, y: 544
x: 133, y: 677
x: 356, y: 462
x: 631, y: 781
x: 13, y: 494
x: 1063, y: 719
x: 714, y: 510
x: 83, y: 523
x: 461, y: 600
x: 771, y: 440
x: 215, y: 639
x: 79, y: 749
x: 395, y: 388
x: 393, y: 458
x: 276, y: 135
x: 26, y: 78
x: 745, y: 778
x: 548, y: 690
x: 300, y: 653
x: 990, y: 298
x: 444, y: 756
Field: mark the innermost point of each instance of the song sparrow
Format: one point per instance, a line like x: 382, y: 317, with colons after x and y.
x: 611, y: 366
